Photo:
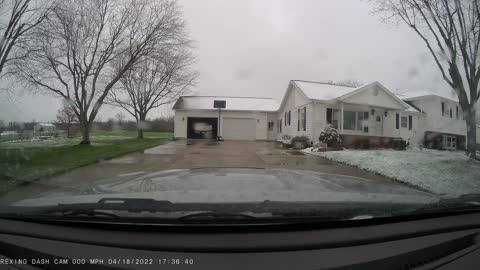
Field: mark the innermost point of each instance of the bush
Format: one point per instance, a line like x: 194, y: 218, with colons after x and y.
x: 331, y: 137
x: 301, y: 142
x: 399, y: 144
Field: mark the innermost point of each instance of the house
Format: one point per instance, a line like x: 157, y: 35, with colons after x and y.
x: 44, y: 127
x: 370, y: 112
x: 478, y: 135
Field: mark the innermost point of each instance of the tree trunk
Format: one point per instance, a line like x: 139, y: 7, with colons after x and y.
x: 85, y: 133
x: 471, y: 132
x: 140, y: 126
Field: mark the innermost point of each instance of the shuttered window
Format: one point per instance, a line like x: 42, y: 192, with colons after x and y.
x: 304, y: 118
x: 298, y: 120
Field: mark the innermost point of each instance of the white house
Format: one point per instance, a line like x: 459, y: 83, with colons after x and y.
x: 370, y: 112
x: 44, y: 127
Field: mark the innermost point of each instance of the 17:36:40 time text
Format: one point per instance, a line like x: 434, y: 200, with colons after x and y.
x: 175, y: 261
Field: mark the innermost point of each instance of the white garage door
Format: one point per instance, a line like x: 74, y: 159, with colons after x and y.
x: 239, y: 129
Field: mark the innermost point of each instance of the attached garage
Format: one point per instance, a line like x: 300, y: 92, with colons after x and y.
x: 239, y: 129
x: 243, y: 118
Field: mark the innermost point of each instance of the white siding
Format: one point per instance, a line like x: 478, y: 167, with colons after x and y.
x: 478, y: 135
x: 432, y: 106
x: 319, y: 119
x: 374, y: 96
x: 293, y: 101
x: 272, y: 134
x: 414, y: 136
x: 180, y: 128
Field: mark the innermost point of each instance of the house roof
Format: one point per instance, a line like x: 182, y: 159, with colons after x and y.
x: 419, y: 95
x: 232, y: 103
x: 45, y: 124
x: 323, y: 90
x: 329, y: 91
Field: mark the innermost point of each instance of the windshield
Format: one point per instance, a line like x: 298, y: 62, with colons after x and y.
x: 238, y: 110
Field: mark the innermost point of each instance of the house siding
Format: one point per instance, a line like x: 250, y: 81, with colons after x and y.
x: 295, y: 100
x: 434, y: 120
x: 478, y: 135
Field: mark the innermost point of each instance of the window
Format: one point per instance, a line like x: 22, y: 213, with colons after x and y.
x: 443, y: 108
x: 451, y: 115
x: 270, y: 125
x: 410, y: 124
x: 298, y: 120
x: 332, y: 117
x: 404, y: 121
x: 355, y: 121
x: 397, y: 121
x: 349, y: 120
x: 304, y: 118
x: 456, y: 112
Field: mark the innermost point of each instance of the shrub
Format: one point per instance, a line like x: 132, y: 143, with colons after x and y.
x: 301, y: 142
x: 399, y: 144
x: 331, y: 137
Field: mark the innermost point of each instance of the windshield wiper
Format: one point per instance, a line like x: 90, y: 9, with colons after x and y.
x: 205, y: 216
x: 463, y: 203
x: 88, y: 213
x: 119, y: 208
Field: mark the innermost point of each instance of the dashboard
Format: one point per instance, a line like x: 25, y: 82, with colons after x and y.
x: 450, y: 242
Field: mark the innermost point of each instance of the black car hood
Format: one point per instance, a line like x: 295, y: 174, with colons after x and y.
x: 225, y: 185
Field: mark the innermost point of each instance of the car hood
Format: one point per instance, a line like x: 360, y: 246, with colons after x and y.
x: 233, y: 185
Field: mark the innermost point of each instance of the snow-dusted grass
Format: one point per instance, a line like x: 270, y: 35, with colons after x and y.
x: 441, y: 172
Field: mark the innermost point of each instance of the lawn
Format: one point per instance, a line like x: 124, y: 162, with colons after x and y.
x: 441, y: 172
x: 26, y: 162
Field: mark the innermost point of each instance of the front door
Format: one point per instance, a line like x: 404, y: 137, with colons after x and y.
x: 378, y: 124
x: 449, y: 142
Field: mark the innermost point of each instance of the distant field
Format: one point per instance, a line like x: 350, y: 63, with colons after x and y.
x: 28, y: 161
x: 132, y: 134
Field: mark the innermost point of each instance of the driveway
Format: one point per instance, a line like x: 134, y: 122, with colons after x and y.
x: 199, y: 154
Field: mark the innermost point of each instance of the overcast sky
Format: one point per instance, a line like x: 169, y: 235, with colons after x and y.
x: 254, y: 47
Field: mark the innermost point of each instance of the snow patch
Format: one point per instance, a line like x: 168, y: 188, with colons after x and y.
x: 441, y: 172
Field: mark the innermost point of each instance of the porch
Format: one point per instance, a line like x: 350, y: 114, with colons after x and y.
x: 444, y: 141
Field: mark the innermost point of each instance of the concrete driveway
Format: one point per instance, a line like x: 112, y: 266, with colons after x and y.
x: 198, y: 154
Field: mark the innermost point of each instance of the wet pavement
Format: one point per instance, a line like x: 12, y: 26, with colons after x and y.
x: 180, y: 155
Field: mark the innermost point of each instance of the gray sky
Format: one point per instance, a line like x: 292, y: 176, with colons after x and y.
x: 254, y: 47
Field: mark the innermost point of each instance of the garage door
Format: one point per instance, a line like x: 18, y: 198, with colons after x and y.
x: 239, y: 128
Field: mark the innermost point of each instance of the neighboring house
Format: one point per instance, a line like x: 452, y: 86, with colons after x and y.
x: 445, y: 126
x: 44, y: 127
x: 478, y: 135
x: 370, y: 112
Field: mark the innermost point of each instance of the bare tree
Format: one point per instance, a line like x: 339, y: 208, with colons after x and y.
x: 451, y: 32
x: 120, y: 117
x: 17, y: 19
x: 85, y: 47
x: 155, y: 82
x: 67, y: 117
